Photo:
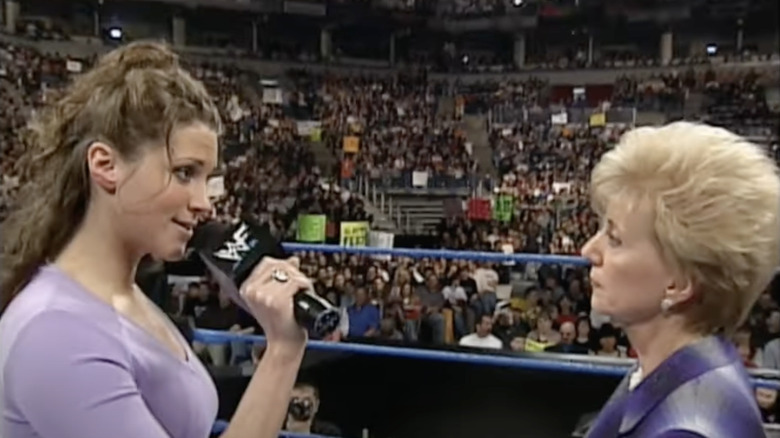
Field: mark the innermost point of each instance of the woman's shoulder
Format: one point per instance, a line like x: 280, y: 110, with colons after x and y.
x: 724, y: 400
x: 51, y: 289
x: 51, y: 312
x: 729, y: 374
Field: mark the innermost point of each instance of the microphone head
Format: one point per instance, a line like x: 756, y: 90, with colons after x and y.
x: 231, y: 252
x: 209, y: 236
x: 236, y: 249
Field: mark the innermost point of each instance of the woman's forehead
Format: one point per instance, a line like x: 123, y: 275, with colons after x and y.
x: 195, y: 141
x: 628, y: 212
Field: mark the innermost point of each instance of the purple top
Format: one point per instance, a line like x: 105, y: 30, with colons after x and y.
x: 702, y: 390
x: 72, y: 367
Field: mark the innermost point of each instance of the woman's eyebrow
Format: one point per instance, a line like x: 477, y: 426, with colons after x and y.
x: 214, y: 172
x: 189, y: 160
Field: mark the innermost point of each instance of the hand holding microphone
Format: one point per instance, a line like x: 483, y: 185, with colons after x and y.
x: 250, y: 266
x: 270, y: 292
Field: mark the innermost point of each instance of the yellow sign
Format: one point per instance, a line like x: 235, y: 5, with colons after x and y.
x: 598, y: 119
x: 535, y: 346
x: 353, y: 234
x: 351, y: 144
x: 316, y: 135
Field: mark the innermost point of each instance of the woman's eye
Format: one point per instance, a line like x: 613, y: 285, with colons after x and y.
x: 184, y: 174
x: 614, y: 241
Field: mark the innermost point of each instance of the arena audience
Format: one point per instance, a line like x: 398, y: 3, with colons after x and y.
x: 271, y: 175
x: 395, y: 118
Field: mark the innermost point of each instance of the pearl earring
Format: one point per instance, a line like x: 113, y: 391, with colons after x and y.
x: 666, y: 304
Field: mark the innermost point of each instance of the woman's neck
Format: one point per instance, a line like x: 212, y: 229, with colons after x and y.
x: 657, y: 340
x: 96, y: 258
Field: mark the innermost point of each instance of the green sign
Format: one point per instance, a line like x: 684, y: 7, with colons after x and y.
x: 504, y: 208
x: 311, y: 228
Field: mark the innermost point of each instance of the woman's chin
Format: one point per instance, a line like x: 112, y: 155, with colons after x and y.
x: 172, y: 254
x: 598, y: 305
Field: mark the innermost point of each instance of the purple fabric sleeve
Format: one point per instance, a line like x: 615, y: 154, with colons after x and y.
x: 72, y: 381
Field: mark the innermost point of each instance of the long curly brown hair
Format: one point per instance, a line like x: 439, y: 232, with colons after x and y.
x: 134, y: 95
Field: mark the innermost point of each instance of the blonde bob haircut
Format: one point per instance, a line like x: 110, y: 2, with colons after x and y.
x: 715, y: 200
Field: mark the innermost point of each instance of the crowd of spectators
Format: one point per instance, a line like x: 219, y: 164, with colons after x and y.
x: 26, y: 79
x: 270, y: 174
x: 396, y: 121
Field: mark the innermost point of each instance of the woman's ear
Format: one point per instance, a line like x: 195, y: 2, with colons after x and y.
x: 102, y: 163
x: 680, y: 290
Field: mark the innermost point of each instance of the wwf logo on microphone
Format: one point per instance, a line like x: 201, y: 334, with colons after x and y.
x: 236, y: 248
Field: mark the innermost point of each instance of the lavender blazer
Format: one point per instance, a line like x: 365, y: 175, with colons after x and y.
x: 701, y: 391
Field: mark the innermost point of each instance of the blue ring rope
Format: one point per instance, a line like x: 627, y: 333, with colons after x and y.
x: 221, y: 425
x: 551, y: 363
x: 448, y: 254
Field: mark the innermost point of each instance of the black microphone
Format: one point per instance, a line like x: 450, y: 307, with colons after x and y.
x: 230, y: 253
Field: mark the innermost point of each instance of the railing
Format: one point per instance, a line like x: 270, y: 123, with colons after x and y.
x: 673, y: 103
x: 405, y: 181
x: 378, y: 191
x: 369, y: 191
x: 501, y: 115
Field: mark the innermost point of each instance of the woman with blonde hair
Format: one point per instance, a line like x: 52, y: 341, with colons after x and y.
x: 118, y: 171
x: 690, y: 237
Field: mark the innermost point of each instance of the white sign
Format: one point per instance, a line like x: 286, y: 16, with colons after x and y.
x: 381, y: 239
x: 420, y: 179
x: 305, y: 128
x: 215, y: 187
x: 73, y: 66
x: 507, y: 248
x: 272, y: 95
x: 558, y: 187
x: 561, y: 118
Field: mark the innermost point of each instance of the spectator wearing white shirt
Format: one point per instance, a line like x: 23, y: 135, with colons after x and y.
x: 454, y: 293
x: 482, y: 338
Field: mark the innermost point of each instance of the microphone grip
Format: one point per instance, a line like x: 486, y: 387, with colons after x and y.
x: 315, y: 314
x: 312, y: 312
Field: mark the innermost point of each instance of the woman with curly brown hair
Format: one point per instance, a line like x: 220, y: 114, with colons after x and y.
x: 119, y: 171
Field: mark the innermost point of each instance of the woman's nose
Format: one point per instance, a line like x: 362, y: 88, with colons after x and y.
x: 590, y: 251
x: 200, y: 202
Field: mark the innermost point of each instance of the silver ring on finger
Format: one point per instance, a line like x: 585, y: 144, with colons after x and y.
x: 280, y: 275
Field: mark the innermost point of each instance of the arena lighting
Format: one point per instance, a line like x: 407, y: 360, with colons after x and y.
x: 115, y: 33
